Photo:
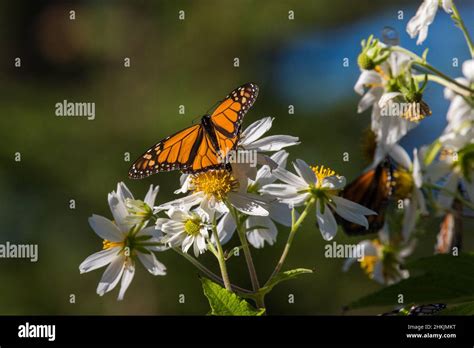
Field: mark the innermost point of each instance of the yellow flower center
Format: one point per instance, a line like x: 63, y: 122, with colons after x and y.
x: 321, y: 173
x: 403, y: 183
x: 192, y: 227
x: 215, y: 183
x: 368, y: 262
x: 106, y: 244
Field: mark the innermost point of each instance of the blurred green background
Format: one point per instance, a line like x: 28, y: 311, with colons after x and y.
x: 173, y: 62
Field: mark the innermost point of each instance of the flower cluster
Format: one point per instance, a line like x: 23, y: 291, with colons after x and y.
x: 248, y: 203
x: 439, y: 178
x: 215, y: 204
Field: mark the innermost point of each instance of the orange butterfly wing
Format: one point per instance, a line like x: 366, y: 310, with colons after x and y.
x: 227, y: 117
x: 198, y: 148
x: 172, y: 153
x: 372, y: 190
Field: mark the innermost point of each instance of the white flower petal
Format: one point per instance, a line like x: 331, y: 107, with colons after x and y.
x: 127, y: 277
x: 123, y: 192
x: 367, y: 78
x: 349, y: 212
x: 290, y: 178
x: 280, y: 190
x: 247, y: 203
x: 119, y: 211
x: 334, y: 182
x: 152, y: 265
x: 417, y: 167
x: 409, y: 218
x: 281, y: 213
x: 105, y: 228
x: 151, y: 195
x: 201, y: 243
x: 388, y: 97
x: 273, y: 143
x: 352, y: 206
x: 400, y: 156
x: 184, y: 203
x: 225, y: 228
x: 255, y: 131
x: 447, y: 5
x: 425, y: 15
x: 187, y: 242
x: 111, y: 276
x: 260, y: 229
x: 468, y: 69
x: 370, y: 98
x: 326, y: 222
x: 305, y: 172
x: 99, y: 259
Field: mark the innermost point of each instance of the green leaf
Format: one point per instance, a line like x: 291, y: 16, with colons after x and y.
x: 464, y: 309
x: 224, y: 302
x: 283, y: 276
x: 436, y: 278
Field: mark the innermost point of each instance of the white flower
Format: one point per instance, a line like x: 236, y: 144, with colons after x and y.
x: 425, y: 15
x: 122, y: 245
x: 375, y: 87
x: 381, y: 259
x: 185, y: 228
x: 251, y: 140
x: 323, y: 185
x: 213, y: 189
x: 128, y: 211
x: 408, y: 179
x: 451, y: 172
x: 460, y: 116
x: 260, y: 229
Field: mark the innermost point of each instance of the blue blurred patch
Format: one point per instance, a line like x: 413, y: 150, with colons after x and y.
x: 308, y: 71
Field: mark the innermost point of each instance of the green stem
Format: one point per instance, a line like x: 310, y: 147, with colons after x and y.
x: 420, y: 62
x: 466, y: 90
x: 295, y: 225
x: 454, y: 194
x: 221, y: 259
x: 248, y: 257
x: 209, y: 273
x: 458, y: 20
x: 443, y: 82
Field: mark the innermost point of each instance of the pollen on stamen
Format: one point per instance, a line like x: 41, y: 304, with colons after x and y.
x: 322, y: 172
x: 215, y: 183
x: 368, y: 261
x: 106, y: 244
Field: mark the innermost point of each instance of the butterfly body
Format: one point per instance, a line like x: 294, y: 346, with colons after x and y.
x: 203, y: 146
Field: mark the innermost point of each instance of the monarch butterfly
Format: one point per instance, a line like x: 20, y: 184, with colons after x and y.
x: 202, y: 146
x: 428, y: 309
x: 372, y: 190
